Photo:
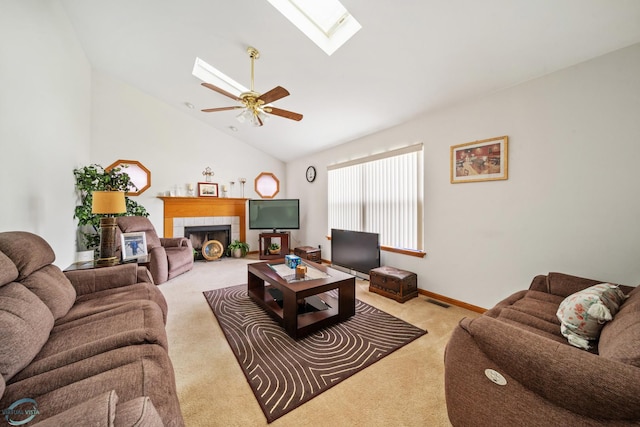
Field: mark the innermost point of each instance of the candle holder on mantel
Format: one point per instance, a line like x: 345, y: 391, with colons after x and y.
x: 242, y: 181
x: 231, y: 183
x: 208, y: 174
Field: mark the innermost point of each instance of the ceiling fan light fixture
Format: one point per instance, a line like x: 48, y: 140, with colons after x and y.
x: 263, y: 116
x: 244, y: 116
x: 254, y: 105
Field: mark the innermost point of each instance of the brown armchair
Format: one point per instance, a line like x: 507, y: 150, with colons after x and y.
x: 169, y: 257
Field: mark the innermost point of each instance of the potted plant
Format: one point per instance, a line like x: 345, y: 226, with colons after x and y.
x: 95, y: 178
x: 274, y: 248
x: 237, y: 249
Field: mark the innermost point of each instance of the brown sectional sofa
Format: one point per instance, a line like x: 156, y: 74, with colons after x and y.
x: 85, y: 347
x: 548, y: 381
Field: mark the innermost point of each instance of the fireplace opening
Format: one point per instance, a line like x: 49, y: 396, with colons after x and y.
x: 203, y: 233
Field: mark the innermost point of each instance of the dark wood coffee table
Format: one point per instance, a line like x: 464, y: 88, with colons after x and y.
x: 261, y: 278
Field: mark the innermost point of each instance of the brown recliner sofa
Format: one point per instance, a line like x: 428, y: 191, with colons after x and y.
x: 513, y: 367
x: 84, y: 347
x: 169, y: 257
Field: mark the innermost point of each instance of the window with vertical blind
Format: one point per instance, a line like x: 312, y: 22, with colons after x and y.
x: 380, y: 194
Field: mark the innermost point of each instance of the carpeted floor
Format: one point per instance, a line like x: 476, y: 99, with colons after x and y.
x: 403, y: 389
x: 285, y: 373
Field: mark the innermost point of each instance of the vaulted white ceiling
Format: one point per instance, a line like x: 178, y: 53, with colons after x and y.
x: 410, y: 57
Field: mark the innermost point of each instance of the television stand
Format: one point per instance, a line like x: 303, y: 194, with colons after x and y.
x: 266, y: 240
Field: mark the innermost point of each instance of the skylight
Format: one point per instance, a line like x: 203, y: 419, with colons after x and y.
x: 209, y: 74
x: 327, y: 22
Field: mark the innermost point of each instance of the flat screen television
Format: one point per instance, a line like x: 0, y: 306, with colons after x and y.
x: 274, y: 214
x: 355, y: 250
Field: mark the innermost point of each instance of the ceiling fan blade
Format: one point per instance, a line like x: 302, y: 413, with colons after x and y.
x: 213, y: 110
x: 274, y: 94
x: 284, y: 113
x: 221, y: 91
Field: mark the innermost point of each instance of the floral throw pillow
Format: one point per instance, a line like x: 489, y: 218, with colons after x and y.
x: 583, y: 314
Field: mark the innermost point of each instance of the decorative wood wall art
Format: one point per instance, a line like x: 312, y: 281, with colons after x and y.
x: 140, y: 175
x: 267, y: 185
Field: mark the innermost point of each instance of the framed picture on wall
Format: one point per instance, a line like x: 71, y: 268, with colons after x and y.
x: 133, y: 245
x: 207, y: 189
x: 484, y: 160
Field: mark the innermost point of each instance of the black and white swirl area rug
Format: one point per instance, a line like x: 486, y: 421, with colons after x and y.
x: 284, y: 373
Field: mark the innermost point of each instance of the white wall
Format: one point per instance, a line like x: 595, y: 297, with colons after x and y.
x: 56, y: 115
x: 571, y: 201
x: 129, y: 124
x: 44, y: 122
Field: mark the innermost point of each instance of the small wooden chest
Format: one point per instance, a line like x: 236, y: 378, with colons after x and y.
x: 308, y: 252
x: 392, y: 283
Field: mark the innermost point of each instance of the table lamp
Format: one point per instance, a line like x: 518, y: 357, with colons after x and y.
x: 108, y: 203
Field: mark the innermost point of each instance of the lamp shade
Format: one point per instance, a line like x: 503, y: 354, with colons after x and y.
x: 108, y: 202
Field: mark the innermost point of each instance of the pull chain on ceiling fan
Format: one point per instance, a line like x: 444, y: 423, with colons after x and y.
x: 254, y: 105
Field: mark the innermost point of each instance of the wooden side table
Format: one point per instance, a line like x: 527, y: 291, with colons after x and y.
x: 265, y: 241
x: 88, y: 265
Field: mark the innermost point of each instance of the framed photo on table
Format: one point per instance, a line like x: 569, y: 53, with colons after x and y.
x: 207, y: 189
x: 484, y: 160
x: 134, y: 245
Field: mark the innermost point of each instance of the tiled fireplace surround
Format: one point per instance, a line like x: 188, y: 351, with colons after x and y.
x: 180, y: 223
x: 180, y: 212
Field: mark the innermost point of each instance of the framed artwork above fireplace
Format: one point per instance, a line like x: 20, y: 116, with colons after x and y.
x: 207, y: 189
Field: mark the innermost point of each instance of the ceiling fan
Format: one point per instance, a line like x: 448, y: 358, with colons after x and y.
x: 254, y: 104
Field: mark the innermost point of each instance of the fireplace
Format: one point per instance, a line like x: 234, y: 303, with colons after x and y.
x: 180, y: 212
x: 203, y: 233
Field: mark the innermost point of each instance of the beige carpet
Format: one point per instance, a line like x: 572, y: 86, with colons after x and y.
x: 403, y: 389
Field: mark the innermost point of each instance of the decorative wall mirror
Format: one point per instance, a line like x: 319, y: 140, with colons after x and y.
x: 140, y: 176
x: 267, y: 185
